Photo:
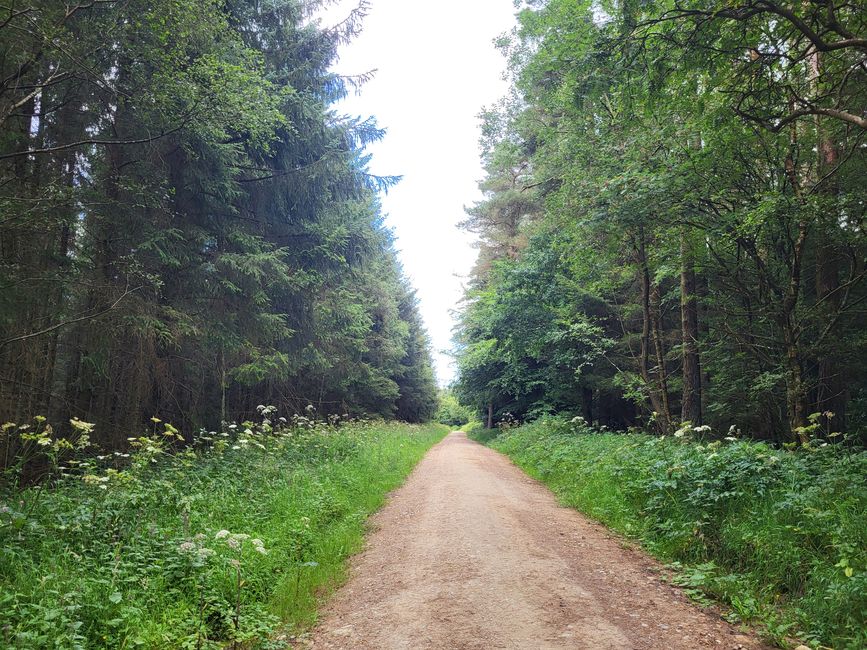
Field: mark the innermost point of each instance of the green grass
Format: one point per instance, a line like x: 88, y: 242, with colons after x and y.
x: 779, y: 536
x: 477, y: 431
x: 137, y: 559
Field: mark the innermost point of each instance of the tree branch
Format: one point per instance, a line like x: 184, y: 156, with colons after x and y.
x: 71, y: 321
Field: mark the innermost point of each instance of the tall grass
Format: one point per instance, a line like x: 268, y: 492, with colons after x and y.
x: 781, y: 536
x: 229, y: 543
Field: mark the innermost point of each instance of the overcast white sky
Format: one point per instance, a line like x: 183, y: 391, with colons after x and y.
x: 436, y: 68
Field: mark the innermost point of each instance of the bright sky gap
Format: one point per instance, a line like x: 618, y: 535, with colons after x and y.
x: 434, y: 75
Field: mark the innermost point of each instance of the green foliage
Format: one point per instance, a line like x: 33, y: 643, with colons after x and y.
x: 189, y: 227
x: 780, y: 536
x: 477, y: 431
x: 451, y: 411
x: 672, y: 223
x: 233, y: 539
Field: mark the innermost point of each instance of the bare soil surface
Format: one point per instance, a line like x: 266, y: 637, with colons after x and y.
x: 472, y: 553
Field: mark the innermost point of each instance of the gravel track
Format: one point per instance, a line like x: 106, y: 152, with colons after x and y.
x: 472, y: 553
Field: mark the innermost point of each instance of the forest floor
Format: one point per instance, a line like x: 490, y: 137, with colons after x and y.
x: 472, y: 553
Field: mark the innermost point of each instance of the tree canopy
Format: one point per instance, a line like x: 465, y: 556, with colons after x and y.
x: 673, y: 223
x: 188, y: 227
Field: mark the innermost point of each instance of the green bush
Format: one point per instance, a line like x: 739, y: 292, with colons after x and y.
x: 451, y: 411
x: 781, y: 536
x: 476, y: 431
x: 229, y: 540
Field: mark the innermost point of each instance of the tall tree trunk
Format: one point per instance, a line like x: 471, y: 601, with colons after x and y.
x: 831, y: 393
x: 796, y: 390
x: 647, y: 328
x: 690, y: 409
x: 587, y: 403
x: 659, y: 349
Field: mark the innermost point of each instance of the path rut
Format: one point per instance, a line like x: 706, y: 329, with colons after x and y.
x: 472, y: 554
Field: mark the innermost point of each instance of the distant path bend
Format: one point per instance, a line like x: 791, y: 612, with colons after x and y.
x: 471, y: 553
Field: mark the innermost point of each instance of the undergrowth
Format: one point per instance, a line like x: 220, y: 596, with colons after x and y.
x: 478, y: 432
x: 227, y: 543
x: 778, y: 535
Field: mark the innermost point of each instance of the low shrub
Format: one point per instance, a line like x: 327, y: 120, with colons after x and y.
x: 225, y: 542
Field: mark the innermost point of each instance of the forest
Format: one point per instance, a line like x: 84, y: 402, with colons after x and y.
x: 187, y: 227
x: 673, y: 222
x: 214, y: 369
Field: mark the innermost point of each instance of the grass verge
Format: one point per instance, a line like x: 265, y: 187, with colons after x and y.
x: 780, y: 536
x: 229, y: 543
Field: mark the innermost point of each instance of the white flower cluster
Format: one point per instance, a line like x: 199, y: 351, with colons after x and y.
x: 686, y: 430
x: 235, y: 541
x: 196, y: 548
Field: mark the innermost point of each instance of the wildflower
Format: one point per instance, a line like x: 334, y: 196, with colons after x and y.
x: 221, y: 534
x: 187, y: 547
x: 82, y: 427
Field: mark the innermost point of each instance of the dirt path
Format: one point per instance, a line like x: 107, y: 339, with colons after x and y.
x: 471, y: 553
